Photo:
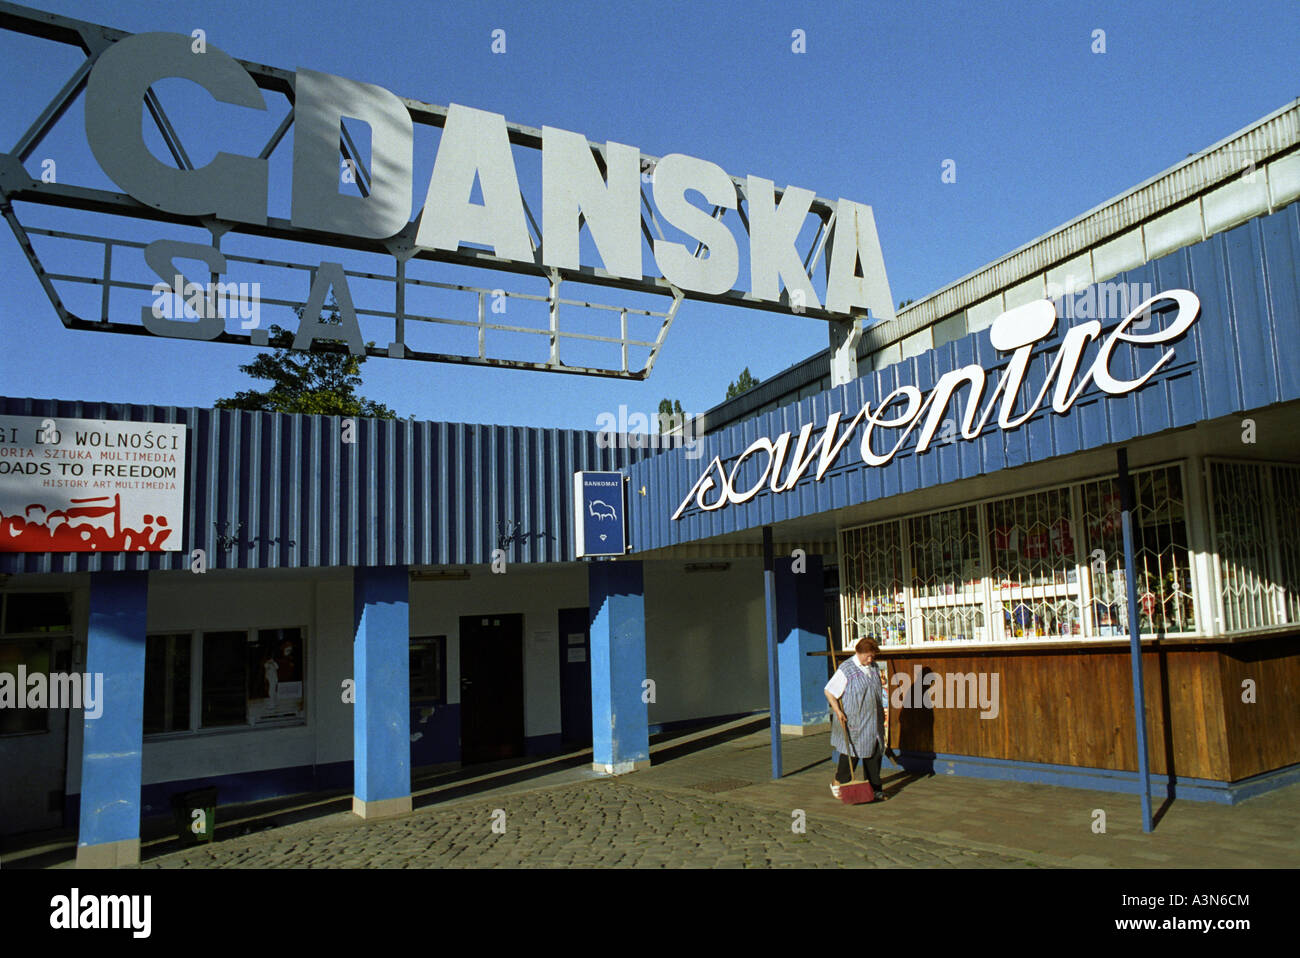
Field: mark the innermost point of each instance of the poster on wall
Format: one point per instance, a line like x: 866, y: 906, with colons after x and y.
x: 275, y: 669
x: 86, y: 485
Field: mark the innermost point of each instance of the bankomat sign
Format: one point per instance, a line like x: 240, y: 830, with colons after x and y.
x: 576, y: 185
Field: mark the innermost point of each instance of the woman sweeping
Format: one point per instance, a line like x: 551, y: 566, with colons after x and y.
x: 854, y: 694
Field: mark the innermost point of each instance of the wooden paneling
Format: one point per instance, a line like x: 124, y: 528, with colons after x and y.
x: 1264, y: 734
x: 1075, y: 707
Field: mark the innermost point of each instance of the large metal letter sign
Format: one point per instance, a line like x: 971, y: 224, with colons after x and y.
x: 353, y: 191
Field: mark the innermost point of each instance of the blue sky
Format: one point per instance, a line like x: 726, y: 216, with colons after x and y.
x: 1039, y: 126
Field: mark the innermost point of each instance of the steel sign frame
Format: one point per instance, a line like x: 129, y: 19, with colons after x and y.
x: 17, y: 185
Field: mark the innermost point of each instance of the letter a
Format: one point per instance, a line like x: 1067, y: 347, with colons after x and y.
x: 311, y: 328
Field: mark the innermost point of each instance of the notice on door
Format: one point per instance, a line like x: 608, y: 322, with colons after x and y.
x: 85, y: 485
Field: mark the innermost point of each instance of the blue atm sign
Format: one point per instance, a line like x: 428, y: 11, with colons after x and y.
x: 600, y: 514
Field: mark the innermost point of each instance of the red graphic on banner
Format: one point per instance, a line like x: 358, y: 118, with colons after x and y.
x: 40, y: 529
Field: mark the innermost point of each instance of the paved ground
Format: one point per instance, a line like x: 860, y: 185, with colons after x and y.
x: 589, y: 823
x: 709, y: 801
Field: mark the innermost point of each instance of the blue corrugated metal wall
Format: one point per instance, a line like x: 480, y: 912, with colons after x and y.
x: 444, y: 493
x: 417, y: 493
x: 1241, y: 354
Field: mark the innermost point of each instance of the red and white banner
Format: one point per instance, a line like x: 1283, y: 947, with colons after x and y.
x: 85, y: 485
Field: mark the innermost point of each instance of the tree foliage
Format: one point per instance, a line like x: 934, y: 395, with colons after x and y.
x: 743, y: 384
x: 320, y: 382
x: 667, y: 410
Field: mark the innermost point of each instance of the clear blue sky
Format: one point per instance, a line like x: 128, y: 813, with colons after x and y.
x: 1040, y: 127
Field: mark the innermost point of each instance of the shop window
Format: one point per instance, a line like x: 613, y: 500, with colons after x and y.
x: 1034, y: 576
x: 224, y: 679
x: 240, y: 678
x: 34, y: 658
x: 1162, y: 562
x: 36, y: 614
x: 1286, y: 494
x: 947, y: 578
x: 277, y: 678
x: 1255, y: 514
x: 428, y: 670
x: 27, y: 612
x: 1045, y: 565
x: 871, y: 585
x: 167, y: 683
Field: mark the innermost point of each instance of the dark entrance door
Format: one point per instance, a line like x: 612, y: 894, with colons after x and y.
x: 575, y: 676
x: 491, y: 687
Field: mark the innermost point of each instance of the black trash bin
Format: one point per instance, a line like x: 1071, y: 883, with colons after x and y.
x: 196, y: 815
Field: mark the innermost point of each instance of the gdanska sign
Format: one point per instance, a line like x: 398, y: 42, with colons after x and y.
x: 577, y: 185
x: 1017, y: 331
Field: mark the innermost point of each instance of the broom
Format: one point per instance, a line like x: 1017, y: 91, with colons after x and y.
x: 855, y: 792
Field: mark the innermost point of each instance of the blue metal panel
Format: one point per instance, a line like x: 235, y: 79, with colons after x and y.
x: 287, y: 491
x: 1281, y: 241
x: 112, y: 752
x: 1235, y: 358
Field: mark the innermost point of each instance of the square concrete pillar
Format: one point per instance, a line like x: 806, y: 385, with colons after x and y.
x: 381, y: 718
x: 620, y: 727
x: 801, y: 629
x: 113, y: 743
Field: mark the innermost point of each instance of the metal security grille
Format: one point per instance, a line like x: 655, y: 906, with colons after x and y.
x: 1286, y: 492
x: 947, y: 586
x: 1255, y: 516
x: 1044, y: 565
x: 872, y: 598
x: 1035, y: 572
x: 1160, y: 546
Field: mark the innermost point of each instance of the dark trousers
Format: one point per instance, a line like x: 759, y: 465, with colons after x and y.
x: 870, y: 768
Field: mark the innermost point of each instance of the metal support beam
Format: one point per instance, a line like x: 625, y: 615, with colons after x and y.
x: 844, y: 336
x: 1134, y: 636
x: 773, y: 664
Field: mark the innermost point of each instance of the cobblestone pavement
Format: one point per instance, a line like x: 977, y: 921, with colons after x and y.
x: 598, y: 822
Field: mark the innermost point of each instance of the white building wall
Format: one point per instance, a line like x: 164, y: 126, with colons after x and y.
x: 538, y: 592
x: 706, y: 642
x: 184, y: 602
x: 705, y: 649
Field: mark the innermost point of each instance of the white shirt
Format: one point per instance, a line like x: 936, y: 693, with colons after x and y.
x: 838, y: 681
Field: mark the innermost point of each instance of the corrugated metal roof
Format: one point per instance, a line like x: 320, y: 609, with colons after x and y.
x: 288, y: 492
x: 1236, y: 357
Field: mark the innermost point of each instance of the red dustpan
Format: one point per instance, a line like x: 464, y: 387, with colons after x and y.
x: 855, y: 792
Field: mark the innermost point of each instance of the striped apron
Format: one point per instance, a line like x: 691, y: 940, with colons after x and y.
x: 862, y: 708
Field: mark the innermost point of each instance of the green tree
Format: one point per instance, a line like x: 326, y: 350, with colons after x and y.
x: 321, y: 382
x: 667, y: 410
x: 745, y: 383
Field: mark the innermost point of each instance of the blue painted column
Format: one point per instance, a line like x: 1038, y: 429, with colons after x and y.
x: 113, y: 744
x: 773, y: 667
x: 800, y: 630
x: 1134, y: 633
x: 620, y: 726
x: 381, y: 720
